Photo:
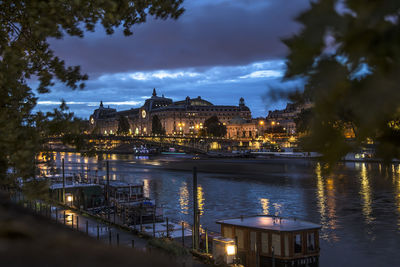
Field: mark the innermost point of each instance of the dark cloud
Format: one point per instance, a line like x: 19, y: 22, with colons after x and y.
x: 210, y: 51
x: 209, y: 33
x: 220, y: 85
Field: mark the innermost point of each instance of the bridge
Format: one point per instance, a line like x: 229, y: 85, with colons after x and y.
x: 125, y: 143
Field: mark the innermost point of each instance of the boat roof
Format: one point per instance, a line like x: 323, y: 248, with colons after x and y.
x: 273, y: 223
x: 122, y: 184
x: 60, y: 186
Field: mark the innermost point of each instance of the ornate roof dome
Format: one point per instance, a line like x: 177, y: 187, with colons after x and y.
x: 237, y: 120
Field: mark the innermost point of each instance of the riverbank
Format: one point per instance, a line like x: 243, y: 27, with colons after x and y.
x: 27, y: 239
x: 48, y: 235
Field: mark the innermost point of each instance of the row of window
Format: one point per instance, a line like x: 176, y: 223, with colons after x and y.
x: 275, y: 245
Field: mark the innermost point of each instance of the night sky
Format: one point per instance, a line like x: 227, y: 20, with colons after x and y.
x: 218, y: 49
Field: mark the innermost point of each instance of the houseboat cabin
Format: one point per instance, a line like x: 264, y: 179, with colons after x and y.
x: 78, y: 195
x: 131, y: 203
x: 121, y: 191
x: 265, y: 240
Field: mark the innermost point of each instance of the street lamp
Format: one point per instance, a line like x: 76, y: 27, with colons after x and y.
x: 231, y: 250
x: 70, y: 199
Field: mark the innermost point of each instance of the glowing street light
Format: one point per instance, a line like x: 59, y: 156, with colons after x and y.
x: 70, y: 199
x: 231, y: 250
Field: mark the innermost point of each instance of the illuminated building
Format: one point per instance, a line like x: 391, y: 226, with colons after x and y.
x: 177, y: 118
x: 285, y: 118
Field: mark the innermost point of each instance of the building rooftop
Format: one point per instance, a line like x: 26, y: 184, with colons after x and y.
x: 274, y: 223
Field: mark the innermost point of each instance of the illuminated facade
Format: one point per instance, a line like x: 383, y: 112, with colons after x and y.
x: 240, y: 128
x: 179, y: 117
x: 285, y: 117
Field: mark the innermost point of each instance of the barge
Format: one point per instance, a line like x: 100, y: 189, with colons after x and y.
x: 265, y: 240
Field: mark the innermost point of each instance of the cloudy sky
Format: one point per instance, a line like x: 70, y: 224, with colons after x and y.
x: 218, y: 49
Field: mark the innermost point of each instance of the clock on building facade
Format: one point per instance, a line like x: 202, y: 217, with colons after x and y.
x: 143, y: 114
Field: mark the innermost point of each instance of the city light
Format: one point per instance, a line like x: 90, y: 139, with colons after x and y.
x: 230, y: 250
x: 69, y: 198
x: 261, y: 122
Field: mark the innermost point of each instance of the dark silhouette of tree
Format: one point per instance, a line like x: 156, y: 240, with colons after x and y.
x: 25, y: 28
x: 349, y: 56
x: 213, y: 127
x: 123, y: 125
x: 275, y: 129
x: 303, y: 121
x: 156, y: 126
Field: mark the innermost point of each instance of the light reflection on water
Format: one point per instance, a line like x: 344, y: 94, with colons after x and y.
x: 200, y: 199
x: 184, y: 198
x: 264, y: 205
x: 398, y: 196
x: 365, y: 192
x: 358, y: 206
x: 146, y: 187
x: 326, y: 205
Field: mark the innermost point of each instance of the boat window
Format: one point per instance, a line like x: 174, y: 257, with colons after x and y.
x: 297, y: 243
x: 276, y: 244
x: 253, y: 241
x: 240, y: 238
x: 311, y: 242
x: 264, y: 242
x: 228, y: 232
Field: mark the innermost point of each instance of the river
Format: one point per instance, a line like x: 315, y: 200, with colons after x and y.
x: 357, y: 205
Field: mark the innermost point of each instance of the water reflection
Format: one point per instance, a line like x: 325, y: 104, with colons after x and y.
x: 146, y: 187
x: 184, y: 198
x: 358, y: 206
x: 278, y: 209
x: 326, y: 205
x: 365, y: 192
x: 398, y: 196
x: 321, y: 197
x: 264, y: 205
x: 200, y: 199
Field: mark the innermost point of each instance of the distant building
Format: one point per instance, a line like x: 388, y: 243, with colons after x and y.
x: 239, y: 128
x: 285, y: 118
x: 180, y: 117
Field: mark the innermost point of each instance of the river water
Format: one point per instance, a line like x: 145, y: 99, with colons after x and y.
x: 358, y: 205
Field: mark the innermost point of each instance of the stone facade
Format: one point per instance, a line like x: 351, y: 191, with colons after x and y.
x: 239, y: 128
x: 180, y: 117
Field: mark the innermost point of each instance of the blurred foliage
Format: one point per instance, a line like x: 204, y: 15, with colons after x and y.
x: 36, y: 189
x: 348, y: 54
x: 25, y: 55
